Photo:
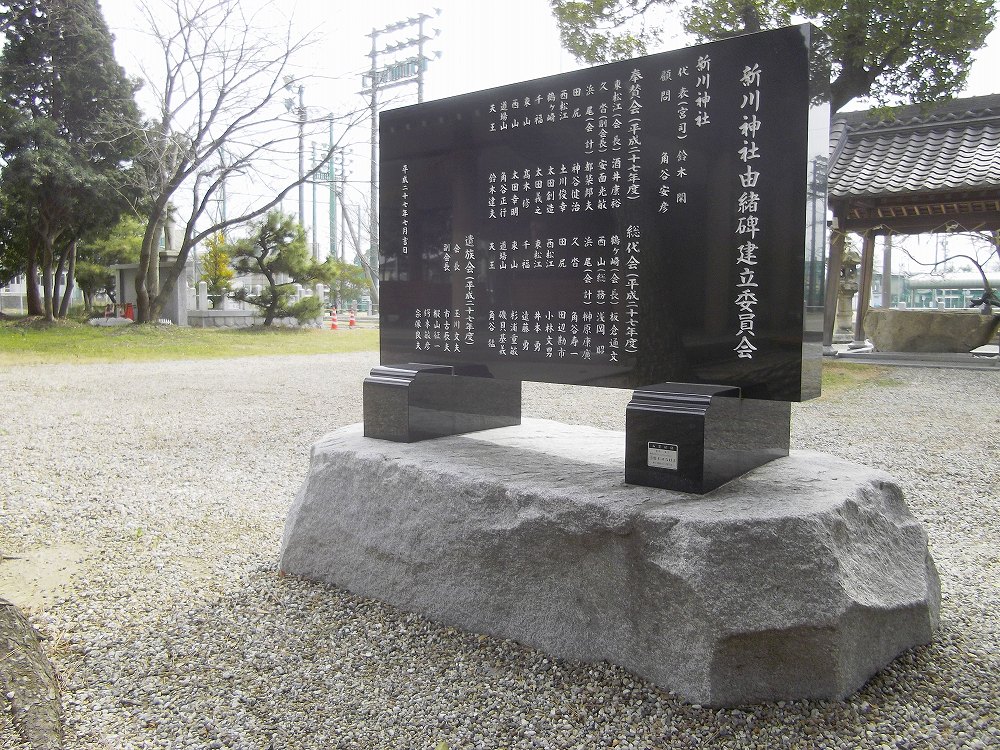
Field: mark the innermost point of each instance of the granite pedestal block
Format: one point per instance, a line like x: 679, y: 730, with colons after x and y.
x: 410, y: 402
x: 800, y: 579
x: 694, y: 438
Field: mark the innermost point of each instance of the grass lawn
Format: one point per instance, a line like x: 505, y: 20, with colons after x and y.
x: 839, y: 376
x: 31, y: 341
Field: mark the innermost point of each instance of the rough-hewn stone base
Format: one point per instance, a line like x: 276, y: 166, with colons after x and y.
x: 799, y: 580
x: 29, y: 682
x: 929, y: 330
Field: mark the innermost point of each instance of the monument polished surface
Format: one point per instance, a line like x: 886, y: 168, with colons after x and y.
x: 419, y: 402
x: 651, y: 220
x: 695, y: 438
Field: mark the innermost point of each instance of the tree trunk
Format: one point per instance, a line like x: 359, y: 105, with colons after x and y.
x: 750, y: 17
x: 47, y: 279
x: 142, y: 299
x: 70, y: 280
x: 153, y: 279
x: 34, y: 295
x: 272, y: 307
x: 851, y: 82
x: 169, y: 281
x: 272, y: 304
x: 57, y: 282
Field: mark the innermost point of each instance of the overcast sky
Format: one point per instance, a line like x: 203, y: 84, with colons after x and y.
x: 483, y: 43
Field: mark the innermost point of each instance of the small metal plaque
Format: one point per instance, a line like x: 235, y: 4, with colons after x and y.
x: 661, y: 456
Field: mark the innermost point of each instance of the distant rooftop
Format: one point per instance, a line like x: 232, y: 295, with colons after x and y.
x: 920, y: 164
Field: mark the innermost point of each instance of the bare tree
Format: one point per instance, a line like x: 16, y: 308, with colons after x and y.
x: 988, y: 239
x: 363, y: 256
x: 219, y: 88
x: 991, y: 239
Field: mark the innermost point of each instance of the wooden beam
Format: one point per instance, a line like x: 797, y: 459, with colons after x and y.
x: 887, y: 271
x: 923, y: 224
x: 865, y: 287
x: 833, y: 267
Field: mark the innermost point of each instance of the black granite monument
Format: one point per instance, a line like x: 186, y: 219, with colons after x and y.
x: 642, y: 224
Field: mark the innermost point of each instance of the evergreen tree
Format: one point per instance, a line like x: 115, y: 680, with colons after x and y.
x: 218, y: 273
x: 352, y: 283
x: 13, y: 242
x: 914, y: 50
x: 97, y: 253
x: 277, y: 250
x: 68, y: 128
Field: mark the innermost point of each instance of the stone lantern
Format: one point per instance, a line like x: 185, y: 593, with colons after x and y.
x: 843, y: 332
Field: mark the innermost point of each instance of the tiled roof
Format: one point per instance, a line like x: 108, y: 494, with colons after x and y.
x: 946, y: 147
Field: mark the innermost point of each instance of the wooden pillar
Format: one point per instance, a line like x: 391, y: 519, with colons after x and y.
x: 887, y: 272
x: 833, y: 266
x: 864, y: 287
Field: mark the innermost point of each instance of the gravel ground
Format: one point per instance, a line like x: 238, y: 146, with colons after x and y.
x: 160, y: 491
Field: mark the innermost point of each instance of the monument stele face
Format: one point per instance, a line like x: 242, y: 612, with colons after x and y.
x: 634, y: 223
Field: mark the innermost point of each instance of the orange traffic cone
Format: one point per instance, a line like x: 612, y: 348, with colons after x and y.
x: 333, y: 319
x: 351, y: 321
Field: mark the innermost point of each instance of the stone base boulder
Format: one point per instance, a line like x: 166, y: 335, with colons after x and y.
x: 954, y: 331
x: 798, y: 580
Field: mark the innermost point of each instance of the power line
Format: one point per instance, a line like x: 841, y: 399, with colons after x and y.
x: 383, y: 76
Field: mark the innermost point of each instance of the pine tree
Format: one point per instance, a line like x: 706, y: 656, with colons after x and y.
x: 99, y: 251
x: 277, y: 250
x: 68, y: 127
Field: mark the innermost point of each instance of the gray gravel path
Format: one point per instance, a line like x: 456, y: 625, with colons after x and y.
x: 157, y: 494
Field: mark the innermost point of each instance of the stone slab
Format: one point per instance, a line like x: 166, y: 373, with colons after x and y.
x: 798, y: 580
x: 929, y: 330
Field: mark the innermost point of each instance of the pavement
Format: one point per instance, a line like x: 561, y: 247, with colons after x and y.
x: 985, y: 358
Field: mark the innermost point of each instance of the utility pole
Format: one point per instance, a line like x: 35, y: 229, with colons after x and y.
x: 302, y: 153
x: 315, y: 244
x: 377, y: 79
x: 420, y: 54
x: 335, y: 173
x: 331, y: 173
x: 373, y: 199
x: 222, y: 154
x: 300, y: 114
x: 332, y: 185
x: 887, y: 271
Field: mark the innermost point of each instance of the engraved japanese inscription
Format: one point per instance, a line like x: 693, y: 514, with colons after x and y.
x: 628, y: 224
